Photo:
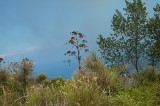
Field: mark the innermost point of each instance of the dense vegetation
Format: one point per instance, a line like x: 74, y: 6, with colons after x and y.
x: 93, y: 85
x: 100, y: 80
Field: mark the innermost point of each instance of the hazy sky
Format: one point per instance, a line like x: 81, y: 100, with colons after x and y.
x: 38, y: 29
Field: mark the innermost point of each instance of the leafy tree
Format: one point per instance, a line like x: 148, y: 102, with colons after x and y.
x: 129, y: 30
x: 153, y: 26
x: 111, y: 50
x: 79, y: 43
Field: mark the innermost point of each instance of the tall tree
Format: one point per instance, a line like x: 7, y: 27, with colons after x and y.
x: 153, y: 26
x: 130, y: 31
x: 79, y: 43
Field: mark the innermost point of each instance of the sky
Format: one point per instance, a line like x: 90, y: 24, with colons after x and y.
x: 39, y: 29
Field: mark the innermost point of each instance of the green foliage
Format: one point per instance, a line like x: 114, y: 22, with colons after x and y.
x: 93, y: 85
x: 141, y: 95
x: 111, y: 49
x: 122, y: 99
x: 41, y: 77
x: 14, y: 80
x: 55, y: 82
x: 83, y: 90
x: 154, y: 30
x: 107, y: 78
x: 127, y: 43
x: 8, y: 98
x: 22, y: 76
x: 4, y: 76
x: 148, y: 74
x: 41, y: 96
x: 24, y: 70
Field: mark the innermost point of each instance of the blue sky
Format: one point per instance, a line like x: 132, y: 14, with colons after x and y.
x: 38, y: 29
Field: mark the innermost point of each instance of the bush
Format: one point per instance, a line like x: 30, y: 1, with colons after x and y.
x: 107, y: 78
x: 149, y: 74
x: 4, y: 76
x: 122, y: 99
x: 55, y: 82
x: 42, y: 96
x: 83, y: 90
x: 41, y: 77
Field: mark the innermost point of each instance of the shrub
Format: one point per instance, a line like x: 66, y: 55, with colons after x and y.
x: 83, y: 90
x: 156, y: 96
x: 148, y: 74
x: 107, y: 78
x: 42, y: 96
x: 55, y: 82
x: 41, y: 77
x: 122, y: 99
x: 138, y: 95
x: 4, y: 76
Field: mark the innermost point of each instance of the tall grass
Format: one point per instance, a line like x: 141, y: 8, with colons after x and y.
x: 93, y: 85
x: 107, y: 78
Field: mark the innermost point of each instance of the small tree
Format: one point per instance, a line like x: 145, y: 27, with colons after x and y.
x: 129, y: 30
x: 79, y: 43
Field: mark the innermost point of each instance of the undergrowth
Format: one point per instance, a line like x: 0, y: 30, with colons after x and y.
x: 93, y: 85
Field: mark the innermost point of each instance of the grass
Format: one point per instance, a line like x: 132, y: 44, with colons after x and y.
x: 93, y: 85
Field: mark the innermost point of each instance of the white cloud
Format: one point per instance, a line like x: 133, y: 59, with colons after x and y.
x: 6, y: 54
x: 27, y: 50
x: 33, y: 48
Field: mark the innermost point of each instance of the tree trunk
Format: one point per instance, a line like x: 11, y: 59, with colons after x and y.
x: 136, y: 40
x: 136, y: 52
x: 79, y: 60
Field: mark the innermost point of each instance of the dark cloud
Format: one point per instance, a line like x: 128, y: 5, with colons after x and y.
x: 47, y: 24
